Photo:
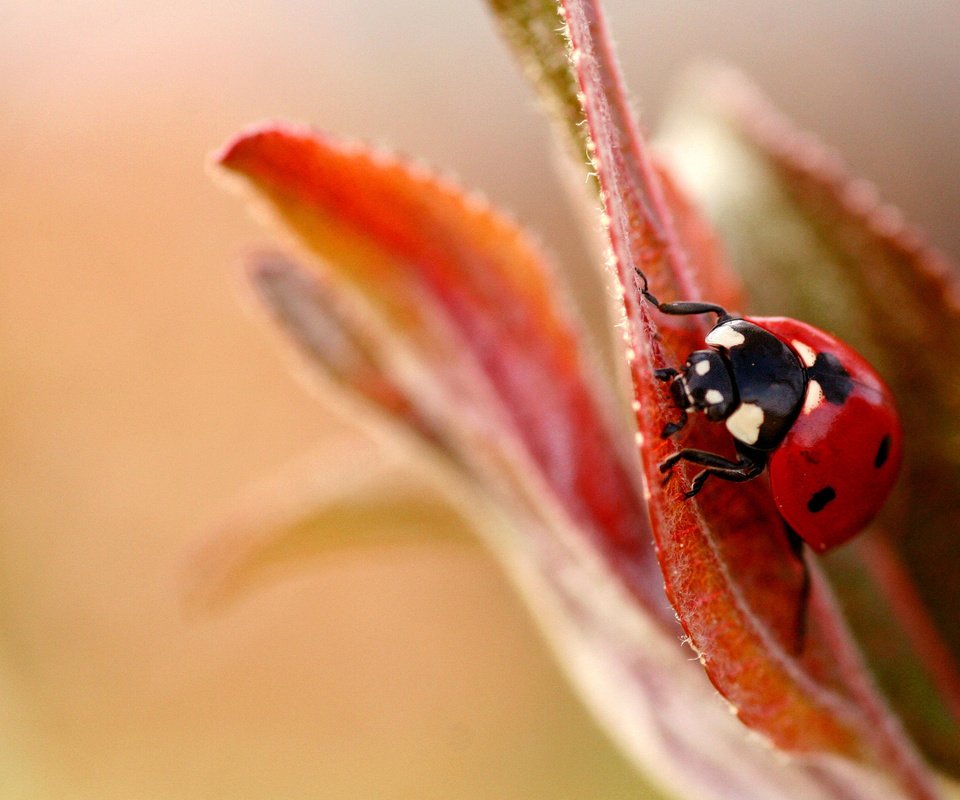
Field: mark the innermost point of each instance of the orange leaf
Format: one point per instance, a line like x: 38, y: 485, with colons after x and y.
x: 480, y: 343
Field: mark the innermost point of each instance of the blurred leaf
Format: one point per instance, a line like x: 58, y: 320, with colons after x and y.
x: 705, y: 258
x: 336, y: 341
x: 534, y: 29
x: 346, y: 496
x: 905, y: 651
x: 478, y: 338
x: 819, y: 700
x: 818, y: 244
x: 351, y: 494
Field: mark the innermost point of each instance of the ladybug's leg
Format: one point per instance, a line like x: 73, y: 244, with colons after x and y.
x: 669, y: 374
x: 796, y: 545
x: 705, y: 459
x: 738, y: 475
x: 672, y: 427
x: 743, y: 469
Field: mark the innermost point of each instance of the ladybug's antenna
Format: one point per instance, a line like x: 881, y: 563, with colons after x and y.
x: 646, y: 285
x: 683, y: 308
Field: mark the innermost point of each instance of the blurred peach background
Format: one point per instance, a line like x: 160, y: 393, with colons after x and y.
x: 140, y: 397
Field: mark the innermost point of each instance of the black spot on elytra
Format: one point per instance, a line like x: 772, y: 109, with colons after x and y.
x: 820, y: 499
x: 832, y: 377
x: 883, y: 452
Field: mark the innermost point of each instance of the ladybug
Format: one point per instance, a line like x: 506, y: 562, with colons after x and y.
x: 799, y: 402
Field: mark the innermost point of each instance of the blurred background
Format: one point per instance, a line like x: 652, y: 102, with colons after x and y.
x: 140, y: 397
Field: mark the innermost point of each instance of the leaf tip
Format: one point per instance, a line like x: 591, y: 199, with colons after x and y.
x: 238, y: 147
x: 256, y: 141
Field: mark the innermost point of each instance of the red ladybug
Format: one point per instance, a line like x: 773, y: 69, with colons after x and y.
x: 800, y: 402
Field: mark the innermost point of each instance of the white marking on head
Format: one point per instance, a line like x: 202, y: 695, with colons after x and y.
x: 686, y: 390
x: 725, y: 336
x: 814, y: 398
x: 701, y: 367
x: 745, y: 423
x: 807, y: 354
x: 714, y: 397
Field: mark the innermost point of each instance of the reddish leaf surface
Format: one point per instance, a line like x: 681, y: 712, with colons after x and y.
x: 440, y: 312
x: 909, y: 296
x: 857, y: 269
x: 480, y: 343
x: 711, y: 552
x: 393, y: 344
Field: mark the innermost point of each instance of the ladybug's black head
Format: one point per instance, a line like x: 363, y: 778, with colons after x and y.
x: 705, y: 385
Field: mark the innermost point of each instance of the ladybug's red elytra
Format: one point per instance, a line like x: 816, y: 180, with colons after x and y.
x: 799, y: 402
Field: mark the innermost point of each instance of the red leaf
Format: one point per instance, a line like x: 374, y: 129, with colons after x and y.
x: 857, y: 269
x: 471, y: 302
x: 716, y: 553
x: 908, y: 296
